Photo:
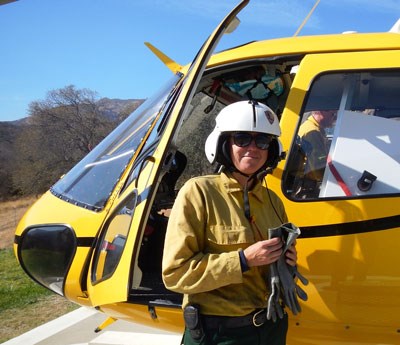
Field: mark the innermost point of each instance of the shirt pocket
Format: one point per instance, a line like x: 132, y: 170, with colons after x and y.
x: 230, y: 235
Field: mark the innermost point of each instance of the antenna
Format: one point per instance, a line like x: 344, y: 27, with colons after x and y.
x: 306, y: 18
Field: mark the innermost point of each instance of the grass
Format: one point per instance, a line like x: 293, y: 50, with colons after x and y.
x: 16, y: 288
x: 24, y: 304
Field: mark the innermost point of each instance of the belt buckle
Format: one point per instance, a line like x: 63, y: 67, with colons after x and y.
x: 255, y: 317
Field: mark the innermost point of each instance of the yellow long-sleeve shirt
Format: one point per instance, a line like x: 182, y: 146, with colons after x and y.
x: 206, y: 230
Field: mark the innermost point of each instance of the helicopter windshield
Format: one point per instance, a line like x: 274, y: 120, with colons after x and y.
x: 90, y: 183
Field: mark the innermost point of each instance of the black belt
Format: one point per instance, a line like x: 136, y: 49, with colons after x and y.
x: 257, y: 319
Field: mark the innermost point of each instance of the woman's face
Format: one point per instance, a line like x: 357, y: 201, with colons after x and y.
x: 247, y: 159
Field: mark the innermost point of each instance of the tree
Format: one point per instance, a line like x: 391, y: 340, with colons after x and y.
x: 8, y: 133
x: 61, y: 130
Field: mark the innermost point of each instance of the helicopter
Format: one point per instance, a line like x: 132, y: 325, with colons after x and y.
x: 96, y: 237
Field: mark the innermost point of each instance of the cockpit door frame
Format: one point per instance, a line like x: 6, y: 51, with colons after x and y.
x: 116, y: 287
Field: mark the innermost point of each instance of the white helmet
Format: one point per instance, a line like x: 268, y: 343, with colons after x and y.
x: 243, y: 116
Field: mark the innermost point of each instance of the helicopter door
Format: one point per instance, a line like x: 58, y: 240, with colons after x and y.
x: 111, y: 273
x: 345, y: 199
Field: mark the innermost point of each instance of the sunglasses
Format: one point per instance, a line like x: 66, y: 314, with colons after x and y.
x: 244, y: 139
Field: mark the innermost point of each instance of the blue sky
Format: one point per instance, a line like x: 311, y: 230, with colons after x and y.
x: 99, y: 44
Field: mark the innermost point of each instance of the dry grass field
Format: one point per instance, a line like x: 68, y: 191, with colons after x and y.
x: 18, y: 320
x: 10, y: 213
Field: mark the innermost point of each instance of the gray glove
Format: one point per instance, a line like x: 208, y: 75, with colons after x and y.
x: 274, y: 308
x: 289, y: 233
x: 289, y: 290
x: 295, y: 273
x: 287, y: 273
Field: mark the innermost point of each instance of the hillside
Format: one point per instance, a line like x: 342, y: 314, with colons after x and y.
x: 113, y: 108
x: 16, y: 138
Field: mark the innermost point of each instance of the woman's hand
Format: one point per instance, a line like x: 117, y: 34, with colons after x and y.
x: 265, y: 252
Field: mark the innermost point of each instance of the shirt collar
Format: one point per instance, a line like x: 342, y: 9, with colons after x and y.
x: 232, y: 185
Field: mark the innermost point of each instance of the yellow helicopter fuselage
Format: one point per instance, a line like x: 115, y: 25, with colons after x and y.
x: 96, y: 237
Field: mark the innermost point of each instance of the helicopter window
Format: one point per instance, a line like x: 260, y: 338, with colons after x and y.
x: 110, y: 247
x: 257, y: 84
x: 90, y: 183
x: 347, y: 144
x: 152, y: 139
x: 261, y: 82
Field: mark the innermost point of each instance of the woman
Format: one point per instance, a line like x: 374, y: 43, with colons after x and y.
x: 217, y: 249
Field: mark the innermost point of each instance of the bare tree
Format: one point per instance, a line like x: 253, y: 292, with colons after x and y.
x: 61, y: 130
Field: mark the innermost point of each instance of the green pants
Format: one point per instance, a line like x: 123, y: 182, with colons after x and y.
x: 270, y: 333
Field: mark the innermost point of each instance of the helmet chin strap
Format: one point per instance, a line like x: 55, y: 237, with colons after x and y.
x: 259, y: 176
x: 246, y: 200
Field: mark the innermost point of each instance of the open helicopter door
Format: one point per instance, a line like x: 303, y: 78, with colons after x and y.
x: 349, y: 218
x: 111, y: 274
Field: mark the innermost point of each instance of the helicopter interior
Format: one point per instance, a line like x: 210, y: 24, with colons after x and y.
x: 268, y: 83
